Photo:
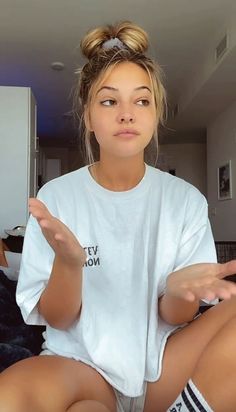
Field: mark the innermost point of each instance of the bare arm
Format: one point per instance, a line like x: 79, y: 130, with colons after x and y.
x: 176, y: 310
x: 60, y: 303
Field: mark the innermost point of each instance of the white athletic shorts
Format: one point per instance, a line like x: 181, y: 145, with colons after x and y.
x: 127, y: 404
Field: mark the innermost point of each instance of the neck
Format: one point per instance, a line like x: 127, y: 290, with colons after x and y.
x: 118, y: 174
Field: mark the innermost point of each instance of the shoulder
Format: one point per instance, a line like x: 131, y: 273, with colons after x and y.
x: 62, y: 193
x: 175, y: 189
x: 66, y: 179
x: 64, y: 185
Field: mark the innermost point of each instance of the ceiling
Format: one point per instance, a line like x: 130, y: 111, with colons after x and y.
x: 183, y: 37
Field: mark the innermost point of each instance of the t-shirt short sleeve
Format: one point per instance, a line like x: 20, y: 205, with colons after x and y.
x: 196, y: 244
x: 36, y: 266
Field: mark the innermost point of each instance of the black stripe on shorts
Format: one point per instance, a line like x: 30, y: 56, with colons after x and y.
x: 188, y: 405
x: 195, y: 399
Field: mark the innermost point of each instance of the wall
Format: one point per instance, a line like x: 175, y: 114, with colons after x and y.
x: 53, y: 153
x: 188, y: 159
x: 221, y: 147
x: 17, y: 155
x: 70, y: 159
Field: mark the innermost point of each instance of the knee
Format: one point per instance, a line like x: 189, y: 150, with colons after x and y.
x: 223, y: 343
x: 16, y: 394
x: 228, y: 333
x: 228, y: 307
x: 13, y: 399
x: 94, y: 406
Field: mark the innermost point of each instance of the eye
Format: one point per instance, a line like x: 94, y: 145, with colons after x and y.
x: 108, y: 102
x: 143, y: 102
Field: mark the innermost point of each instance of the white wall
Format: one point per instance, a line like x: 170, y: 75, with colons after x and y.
x: 221, y: 147
x: 17, y: 155
x: 188, y: 159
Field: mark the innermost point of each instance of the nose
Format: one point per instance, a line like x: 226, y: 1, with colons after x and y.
x: 126, y: 117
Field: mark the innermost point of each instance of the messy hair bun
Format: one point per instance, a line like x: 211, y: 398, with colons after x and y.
x: 105, y: 47
x: 131, y: 35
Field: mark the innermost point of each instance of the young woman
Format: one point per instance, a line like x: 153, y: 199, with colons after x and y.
x: 117, y: 258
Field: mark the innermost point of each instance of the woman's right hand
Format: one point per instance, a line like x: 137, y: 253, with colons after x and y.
x: 64, y: 243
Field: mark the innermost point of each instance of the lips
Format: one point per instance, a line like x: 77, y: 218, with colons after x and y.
x: 127, y: 132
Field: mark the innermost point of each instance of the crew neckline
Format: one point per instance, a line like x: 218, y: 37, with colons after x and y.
x: 99, y: 189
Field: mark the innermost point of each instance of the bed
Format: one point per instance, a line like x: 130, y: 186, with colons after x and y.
x: 17, y: 340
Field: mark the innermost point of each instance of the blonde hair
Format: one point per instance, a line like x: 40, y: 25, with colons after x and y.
x: 101, y: 60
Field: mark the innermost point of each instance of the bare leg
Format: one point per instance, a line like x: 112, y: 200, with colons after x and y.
x: 183, y: 352
x: 53, y: 384
x: 88, y: 406
x: 215, y: 375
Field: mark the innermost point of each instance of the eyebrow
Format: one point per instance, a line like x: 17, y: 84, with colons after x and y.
x: 114, y: 89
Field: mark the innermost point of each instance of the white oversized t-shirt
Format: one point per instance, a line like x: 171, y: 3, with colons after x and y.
x: 133, y: 240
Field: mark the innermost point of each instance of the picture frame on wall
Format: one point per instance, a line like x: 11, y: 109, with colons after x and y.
x: 224, y: 179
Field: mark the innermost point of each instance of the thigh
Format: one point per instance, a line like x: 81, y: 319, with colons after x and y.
x: 52, y: 384
x: 182, y: 352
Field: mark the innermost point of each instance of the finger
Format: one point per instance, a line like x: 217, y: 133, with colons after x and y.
x: 187, y: 295
x: 205, y: 292
x: 226, y: 289
x: 52, y: 229
x: 36, y: 202
x: 45, y: 224
x: 205, y: 289
x: 59, y: 237
x: 208, y: 295
x: 220, y: 289
x: 227, y: 269
x: 38, y: 214
x: 39, y: 211
x: 224, y: 294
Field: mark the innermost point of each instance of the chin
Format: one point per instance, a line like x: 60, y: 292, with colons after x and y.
x: 128, y: 150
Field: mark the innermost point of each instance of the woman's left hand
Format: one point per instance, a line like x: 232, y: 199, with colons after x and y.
x: 202, y: 281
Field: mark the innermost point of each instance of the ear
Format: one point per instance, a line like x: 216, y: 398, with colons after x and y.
x: 87, y: 120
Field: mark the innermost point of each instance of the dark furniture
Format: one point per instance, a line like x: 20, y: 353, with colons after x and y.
x: 17, y: 340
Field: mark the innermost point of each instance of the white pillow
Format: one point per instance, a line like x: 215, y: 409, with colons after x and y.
x: 13, y: 260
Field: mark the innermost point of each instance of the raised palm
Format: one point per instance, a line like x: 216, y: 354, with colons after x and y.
x: 64, y: 243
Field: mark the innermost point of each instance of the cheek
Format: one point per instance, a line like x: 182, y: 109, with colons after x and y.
x: 151, y: 124
x: 100, y: 129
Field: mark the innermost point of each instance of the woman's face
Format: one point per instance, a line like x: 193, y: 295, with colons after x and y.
x: 122, y: 112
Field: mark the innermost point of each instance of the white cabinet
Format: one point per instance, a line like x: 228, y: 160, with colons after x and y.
x: 18, y: 155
